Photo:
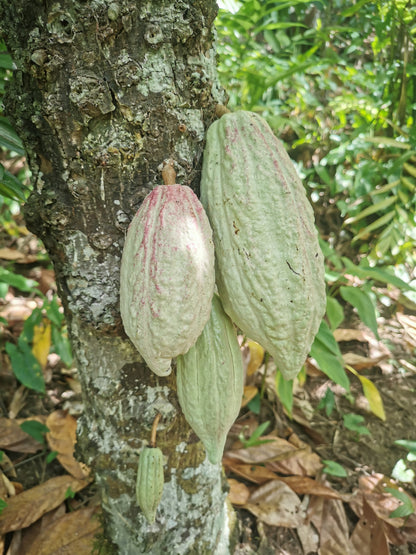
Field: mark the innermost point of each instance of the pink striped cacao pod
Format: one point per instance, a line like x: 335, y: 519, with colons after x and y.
x: 270, y: 271
x: 167, y: 275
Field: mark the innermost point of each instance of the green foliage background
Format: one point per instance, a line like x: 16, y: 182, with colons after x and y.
x: 337, y: 82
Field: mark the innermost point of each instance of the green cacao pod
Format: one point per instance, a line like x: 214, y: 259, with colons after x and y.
x: 210, y: 381
x: 270, y: 271
x: 149, y: 485
x: 167, y: 275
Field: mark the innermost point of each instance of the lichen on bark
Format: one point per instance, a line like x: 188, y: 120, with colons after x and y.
x: 104, y: 91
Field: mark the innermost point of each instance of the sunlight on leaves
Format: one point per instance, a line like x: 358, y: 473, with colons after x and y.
x: 41, y: 342
x: 371, y: 393
x: 402, y: 473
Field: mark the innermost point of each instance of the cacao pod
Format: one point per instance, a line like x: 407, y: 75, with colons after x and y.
x: 167, y: 275
x: 149, y: 485
x: 210, y: 381
x: 270, y: 271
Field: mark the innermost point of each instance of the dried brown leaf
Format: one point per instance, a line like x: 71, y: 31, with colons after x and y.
x: 328, y: 516
x: 13, y: 438
x: 277, y: 505
x: 27, y: 507
x: 4, y: 491
x: 15, y: 547
x: 409, y: 325
x: 72, y: 533
x: 254, y: 473
x: 369, y: 534
x: 18, y: 309
x: 34, y: 530
x: 345, y: 334
x: 18, y: 401
x: 62, y: 438
x: 359, y: 362
x: 10, y: 254
x: 280, y: 456
x: 303, y: 485
x: 372, y: 492
x: 308, y: 538
x: 7, y: 466
x: 239, y: 493
x: 372, y: 488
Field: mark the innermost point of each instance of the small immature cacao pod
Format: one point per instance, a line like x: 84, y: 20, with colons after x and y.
x: 149, y: 485
x: 270, y: 271
x: 210, y: 381
x: 167, y: 275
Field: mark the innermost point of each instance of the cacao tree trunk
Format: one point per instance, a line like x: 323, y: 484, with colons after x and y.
x: 104, y: 91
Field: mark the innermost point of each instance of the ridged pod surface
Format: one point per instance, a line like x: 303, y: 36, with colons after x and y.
x: 167, y: 275
x: 270, y: 271
x: 149, y: 485
x: 210, y: 381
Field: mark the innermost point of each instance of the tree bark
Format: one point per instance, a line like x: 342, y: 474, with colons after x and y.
x: 104, y: 91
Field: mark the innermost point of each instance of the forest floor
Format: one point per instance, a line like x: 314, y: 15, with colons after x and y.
x: 319, y: 481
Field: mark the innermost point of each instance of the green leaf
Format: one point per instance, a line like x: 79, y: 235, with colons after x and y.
x: 385, y: 188
x: 70, y: 493
x: 25, y: 366
x: 4, y: 288
x: 3, y: 505
x: 11, y: 187
x: 386, y: 141
x: 378, y: 207
x: 35, y: 429
x: 408, y: 444
x: 383, y: 220
x: 331, y: 254
x: 53, y: 312
x: 9, y: 139
x: 6, y: 61
x: 354, y: 422
x: 331, y: 366
x: 384, y: 276
x: 360, y: 300
x: 327, y: 339
x: 35, y: 319
x: 284, y: 389
x: 255, y: 404
x: 334, y: 469
x: 327, y: 402
x: 326, y: 352
x: 254, y: 439
x: 334, y: 312
x: 51, y: 457
x: 62, y: 346
x: 17, y: 281
x: 404, y: 510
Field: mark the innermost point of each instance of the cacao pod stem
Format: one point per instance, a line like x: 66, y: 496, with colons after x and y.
x: 168, y: 172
